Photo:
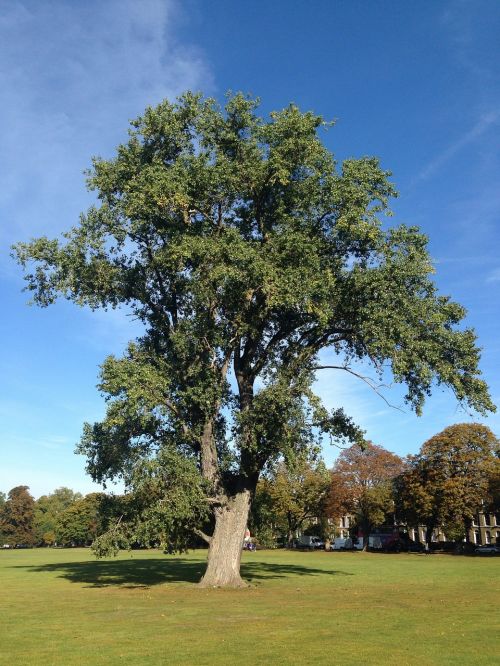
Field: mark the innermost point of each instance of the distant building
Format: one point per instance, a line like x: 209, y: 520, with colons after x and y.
x: 342, y: 526
x: 485, y: 529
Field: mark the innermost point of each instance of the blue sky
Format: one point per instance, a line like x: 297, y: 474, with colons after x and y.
x: 417, y: 84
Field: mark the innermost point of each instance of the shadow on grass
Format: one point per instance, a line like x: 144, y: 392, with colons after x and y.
x: 137, y: 573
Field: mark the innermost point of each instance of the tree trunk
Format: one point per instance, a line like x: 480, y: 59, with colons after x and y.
x: 367, y: 528
x: 224, y: 551
x: 428, y: 537
x: 467, y: 528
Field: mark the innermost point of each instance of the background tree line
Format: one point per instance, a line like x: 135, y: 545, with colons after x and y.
x: 63, y: 517
x: 455, y: 475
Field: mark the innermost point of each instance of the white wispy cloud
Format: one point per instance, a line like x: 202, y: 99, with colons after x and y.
x: 467, y: 34
x: 72, y: 76
x: 485, y: 122
x: 465, y: 31
x: 494, y: 276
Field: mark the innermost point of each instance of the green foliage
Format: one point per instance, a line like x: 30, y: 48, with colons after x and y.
x: 264, y: 536
x: 376, y: 507
x: 48, y: 509
x: 16, y: 517
x: 167, y: 506
x: 291, y: 496
x: 245, y: 249
x: 3, y: 499
x: 82, y: 521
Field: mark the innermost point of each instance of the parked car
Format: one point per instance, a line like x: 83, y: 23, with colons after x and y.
x: 338, y: 544
x: 386, y: 543
x: 313, y: 542
x: 349, y: 543
x: 355, y: 543
x: 488, y: 549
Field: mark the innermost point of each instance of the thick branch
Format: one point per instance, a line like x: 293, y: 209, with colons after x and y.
x: 216, y: 501
x: 203, y: 536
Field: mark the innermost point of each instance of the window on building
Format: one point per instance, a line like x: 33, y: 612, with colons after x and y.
x: 477, y: 537
x: 487, y: 536
x: 487, y: 519
x: 474, y: 520
x: 497, y: 518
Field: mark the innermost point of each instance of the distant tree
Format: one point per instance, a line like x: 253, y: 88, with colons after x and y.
x: 245, y: 249
x: 296, y: 493
x: 447, y: 483
x: 17, y: 517
x: 48, y: 509
x: 265, y: 525
x: 361, y: 485
x: 3, y: 499
x: 492, y: 503
x: 414, y: 498
x: 82, y: 521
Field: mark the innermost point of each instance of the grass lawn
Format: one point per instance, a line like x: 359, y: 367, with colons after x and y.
x: 64, y: 607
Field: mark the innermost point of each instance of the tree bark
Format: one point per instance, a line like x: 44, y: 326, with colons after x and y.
x: 224, y: 551
x: 231, y: 518
x: 208, y: 457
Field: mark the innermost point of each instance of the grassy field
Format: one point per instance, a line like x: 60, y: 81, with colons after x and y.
x: 64, y: 607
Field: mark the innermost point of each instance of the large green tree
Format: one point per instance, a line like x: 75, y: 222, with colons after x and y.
x: 447, y: 483
x: 245, y: 250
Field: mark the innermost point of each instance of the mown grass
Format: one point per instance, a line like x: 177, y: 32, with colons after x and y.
x: 64, y: 607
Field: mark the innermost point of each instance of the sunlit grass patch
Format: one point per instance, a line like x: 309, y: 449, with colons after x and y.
x: 64, y: 607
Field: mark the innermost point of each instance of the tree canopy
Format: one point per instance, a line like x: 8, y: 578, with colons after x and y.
x: 16, y: 519
x: 245, y: 249
x: 293, y: 495
x: 48, y: 510
x: 361, y: 485
x: 447, y: 483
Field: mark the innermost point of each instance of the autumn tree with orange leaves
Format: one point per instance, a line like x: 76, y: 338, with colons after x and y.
x: 446, y: 484
x: 361, y: 485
